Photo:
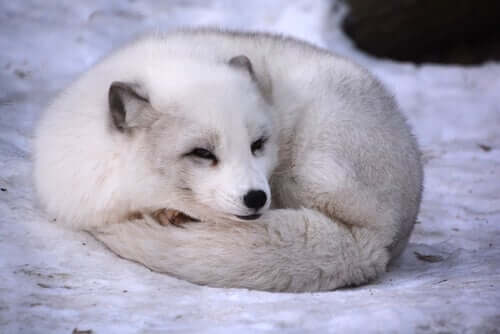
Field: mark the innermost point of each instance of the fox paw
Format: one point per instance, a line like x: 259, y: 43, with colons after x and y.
x: 166, y: 217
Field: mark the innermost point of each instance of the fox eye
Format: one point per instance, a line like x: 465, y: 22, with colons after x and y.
x: 258, y: 145
x: 203, y: 154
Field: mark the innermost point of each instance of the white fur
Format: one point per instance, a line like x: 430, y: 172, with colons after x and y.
x: 340, y: 163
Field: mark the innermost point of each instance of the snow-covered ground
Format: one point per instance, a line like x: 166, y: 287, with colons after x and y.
x: 53, y: 280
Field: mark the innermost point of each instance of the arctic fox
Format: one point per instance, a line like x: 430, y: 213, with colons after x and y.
x: 291, y: 168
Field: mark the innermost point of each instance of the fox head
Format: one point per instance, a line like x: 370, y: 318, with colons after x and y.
x: 206, y: 134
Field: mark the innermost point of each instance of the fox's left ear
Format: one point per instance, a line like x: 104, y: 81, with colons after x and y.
x: 244, y: 63
x: 260, y: 77
x: 129, y: 106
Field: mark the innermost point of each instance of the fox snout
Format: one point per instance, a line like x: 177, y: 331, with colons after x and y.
x: 255, y: 199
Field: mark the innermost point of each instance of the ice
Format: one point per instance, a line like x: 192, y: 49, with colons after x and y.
x: 53, y: 280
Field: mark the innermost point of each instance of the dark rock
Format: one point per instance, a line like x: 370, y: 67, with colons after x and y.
x: 444, y: 31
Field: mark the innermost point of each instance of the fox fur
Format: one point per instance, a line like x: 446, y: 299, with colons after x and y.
x: 295, y: 167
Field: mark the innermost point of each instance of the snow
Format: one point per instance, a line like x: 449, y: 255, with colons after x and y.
x: 53, y: 280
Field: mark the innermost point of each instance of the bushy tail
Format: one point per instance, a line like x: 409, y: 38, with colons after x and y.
x: 286, y: 250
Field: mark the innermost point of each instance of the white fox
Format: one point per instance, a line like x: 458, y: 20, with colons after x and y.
x: 291, y: 168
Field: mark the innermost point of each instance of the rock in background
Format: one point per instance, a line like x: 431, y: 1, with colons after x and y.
x: 443, y: 31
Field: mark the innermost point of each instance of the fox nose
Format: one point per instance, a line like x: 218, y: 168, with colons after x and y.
x: 255, y: 199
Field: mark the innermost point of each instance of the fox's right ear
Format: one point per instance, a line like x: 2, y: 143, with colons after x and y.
x: 129, y: 107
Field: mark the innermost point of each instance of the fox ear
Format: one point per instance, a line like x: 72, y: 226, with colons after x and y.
x: 129, y: 107
x: 243, y: 63
x: 261, y: 78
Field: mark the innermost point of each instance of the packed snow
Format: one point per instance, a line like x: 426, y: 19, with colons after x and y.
x: 56, y: 281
